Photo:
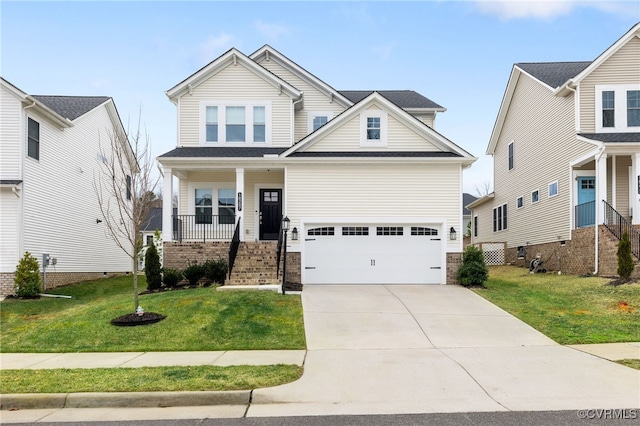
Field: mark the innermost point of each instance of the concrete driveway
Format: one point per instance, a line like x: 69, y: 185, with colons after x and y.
x: 409, y: 349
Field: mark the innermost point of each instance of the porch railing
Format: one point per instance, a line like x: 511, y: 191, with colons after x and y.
x: 203, y: 227
x: 233, y: 247
x: 585, y: 214
x: 617, y: 224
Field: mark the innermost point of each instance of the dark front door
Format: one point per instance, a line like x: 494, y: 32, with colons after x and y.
x: 270, y: 213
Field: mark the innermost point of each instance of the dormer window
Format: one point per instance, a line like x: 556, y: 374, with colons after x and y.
x: 373, y: 128
x: 608, y: 108
x: 317, y: 119
x: 633, y: 108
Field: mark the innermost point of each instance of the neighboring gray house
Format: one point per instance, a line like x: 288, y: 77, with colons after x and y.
x: 466, y: 212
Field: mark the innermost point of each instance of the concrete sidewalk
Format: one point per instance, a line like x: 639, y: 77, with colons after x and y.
x: 387, y: 350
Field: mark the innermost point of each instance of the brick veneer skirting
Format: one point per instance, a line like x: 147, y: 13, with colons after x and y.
x: 453, y: 263
x: 55, y: 279
x: 294, y: 274
x: 178, y: 255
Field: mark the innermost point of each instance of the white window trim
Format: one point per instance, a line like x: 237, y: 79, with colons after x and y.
x: 620, y: 114
x: 521, y: 197
x: 215, y: 187
x: 222, y: 121
x: 538, y: 191
x: 549, y: 189
x: 384, y: 126
x: 313, y: 114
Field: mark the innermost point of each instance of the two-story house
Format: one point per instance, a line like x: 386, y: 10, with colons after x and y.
x: 566, y: 150
x: 49, y: 154
x: 372, y: 192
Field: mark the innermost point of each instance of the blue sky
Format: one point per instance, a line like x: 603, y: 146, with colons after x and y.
x: 457, y: 53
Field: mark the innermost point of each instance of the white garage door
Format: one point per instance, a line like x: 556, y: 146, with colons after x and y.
x: 373, y: 254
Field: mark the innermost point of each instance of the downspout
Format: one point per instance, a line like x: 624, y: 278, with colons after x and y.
x: 23, y: 145
x: 293, y: 117
x: 597, y: 221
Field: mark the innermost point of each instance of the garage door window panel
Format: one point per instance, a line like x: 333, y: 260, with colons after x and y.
x: 420, y: 230
x: 355, y: 230
x: 326, y: 230
x: 389, y: 230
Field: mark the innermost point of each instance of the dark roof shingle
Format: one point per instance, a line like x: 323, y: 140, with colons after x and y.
x: 612, y: 137
x: 402, y: 98
x: 222, y: 151
x: 376, y: 154
x: 72, y: 107
x: 553, y: 74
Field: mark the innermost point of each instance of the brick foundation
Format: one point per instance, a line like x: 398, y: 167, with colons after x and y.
x: 178, y: 255
x: 294, y: 273
x: 55, y: 279
x: 453, y: 263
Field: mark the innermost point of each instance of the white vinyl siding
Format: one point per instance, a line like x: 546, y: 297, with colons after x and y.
x: 11, y: 141
x: 59, y: 199
x: 543, y: 126
x: 372, y: 191
x: 243, y: 87
x: 621, y: 68
x: 9, y: 230
x: 347, y: 138
x: 314, y: 100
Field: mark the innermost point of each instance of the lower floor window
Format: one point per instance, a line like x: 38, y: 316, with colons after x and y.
x: 226, y: 206
x: 204, y: 206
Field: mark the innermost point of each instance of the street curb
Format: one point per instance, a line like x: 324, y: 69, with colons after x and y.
x: 122, y: 399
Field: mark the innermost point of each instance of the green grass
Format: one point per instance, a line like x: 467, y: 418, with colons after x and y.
x: 633, y: 363
x: 197, y: 320
x: 567, y: 308
x: 147, y: 379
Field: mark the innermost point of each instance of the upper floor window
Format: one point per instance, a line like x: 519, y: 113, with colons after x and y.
x: 128, y: 183
x: 373, y: 128
x: 475, y: 226
x: 33, y: 139
x: 553, y: 189
x: 535, y: 196
x: 520, y: 202
x: 500, y: 218
x: 511, y: 156
x: 317, y: 119
x: 235, y: 122
x: 617, y: 108
x: 633, y: 108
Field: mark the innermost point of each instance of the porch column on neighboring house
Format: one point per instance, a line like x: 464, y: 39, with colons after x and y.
x: 167, y: 207
x: 240, y: 201
x: 601, y: 188
x: 634, y: 190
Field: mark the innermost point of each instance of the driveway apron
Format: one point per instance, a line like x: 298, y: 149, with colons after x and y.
x: 414, y: 349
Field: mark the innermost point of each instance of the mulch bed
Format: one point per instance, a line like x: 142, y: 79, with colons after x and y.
x: 291, y: 286
x: 134, y: 319
x: 620, y: 281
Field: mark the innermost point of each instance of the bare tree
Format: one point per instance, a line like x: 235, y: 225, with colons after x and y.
x: 482, y: 189
x: 124, y: 187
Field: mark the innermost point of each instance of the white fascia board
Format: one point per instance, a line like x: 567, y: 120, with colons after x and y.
x: 19, y: 93
x: 48, y: 112
x: 504, y: 108
x: 481, y: 201
x: 297, y: 70
x: 589, y: 141
x: 462, y: 161
x: 233, y: 56
x: 424, y: 110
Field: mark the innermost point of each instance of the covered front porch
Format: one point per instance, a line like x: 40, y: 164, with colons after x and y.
x: 212, y: 202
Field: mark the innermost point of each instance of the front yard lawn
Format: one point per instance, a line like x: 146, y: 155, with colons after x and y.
x: 567, y: 308
x: 200, y: 319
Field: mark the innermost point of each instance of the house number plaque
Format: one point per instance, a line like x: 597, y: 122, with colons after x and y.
x: 239, y: 201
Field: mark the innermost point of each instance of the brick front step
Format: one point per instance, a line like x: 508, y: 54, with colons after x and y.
x: 255, y: 264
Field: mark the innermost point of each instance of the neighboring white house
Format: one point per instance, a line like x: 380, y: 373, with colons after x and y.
x: 371, y: 190
x: 49, y: 153
x: 566, y: 150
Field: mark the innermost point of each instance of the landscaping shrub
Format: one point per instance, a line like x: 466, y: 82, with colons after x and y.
x: 625, y: 261
x: 171, y: 277
x: 216, y: 270
x: 26, y: 278
x: 152, y: 268
x: 473, y: 270
x: 193, y: 273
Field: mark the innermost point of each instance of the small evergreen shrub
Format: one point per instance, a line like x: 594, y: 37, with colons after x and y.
x: 473, y: 271
x: 171, y: 277
x: 193, y: 273
x: 625, y: 261
x: 216, y: 270
x: 26, y: 278
x: 152, y: 268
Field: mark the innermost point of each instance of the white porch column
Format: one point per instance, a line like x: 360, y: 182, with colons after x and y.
x: 601, y: 188
x: 240, y: 200
x: 634, y: 189
x: 167, y: 207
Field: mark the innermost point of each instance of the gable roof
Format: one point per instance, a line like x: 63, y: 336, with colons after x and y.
x: 376, y: 98
x: 553, y: 74
x: 72, y: 107
x: 235, y: 57
x: 466, y: 200
x: 402, y: 98
x: 268, y: 53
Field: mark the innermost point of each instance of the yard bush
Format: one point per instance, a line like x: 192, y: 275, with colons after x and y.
x: 625, y: 261
x: 171, y: 277
x: 473, y: 271
x: 216, y: 270
x: 26, y: 278
x: 193, y: 273
x: 152, y: 268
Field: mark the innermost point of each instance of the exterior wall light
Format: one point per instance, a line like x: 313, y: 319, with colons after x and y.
x: 294, y: 234
x: 452, y: 234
